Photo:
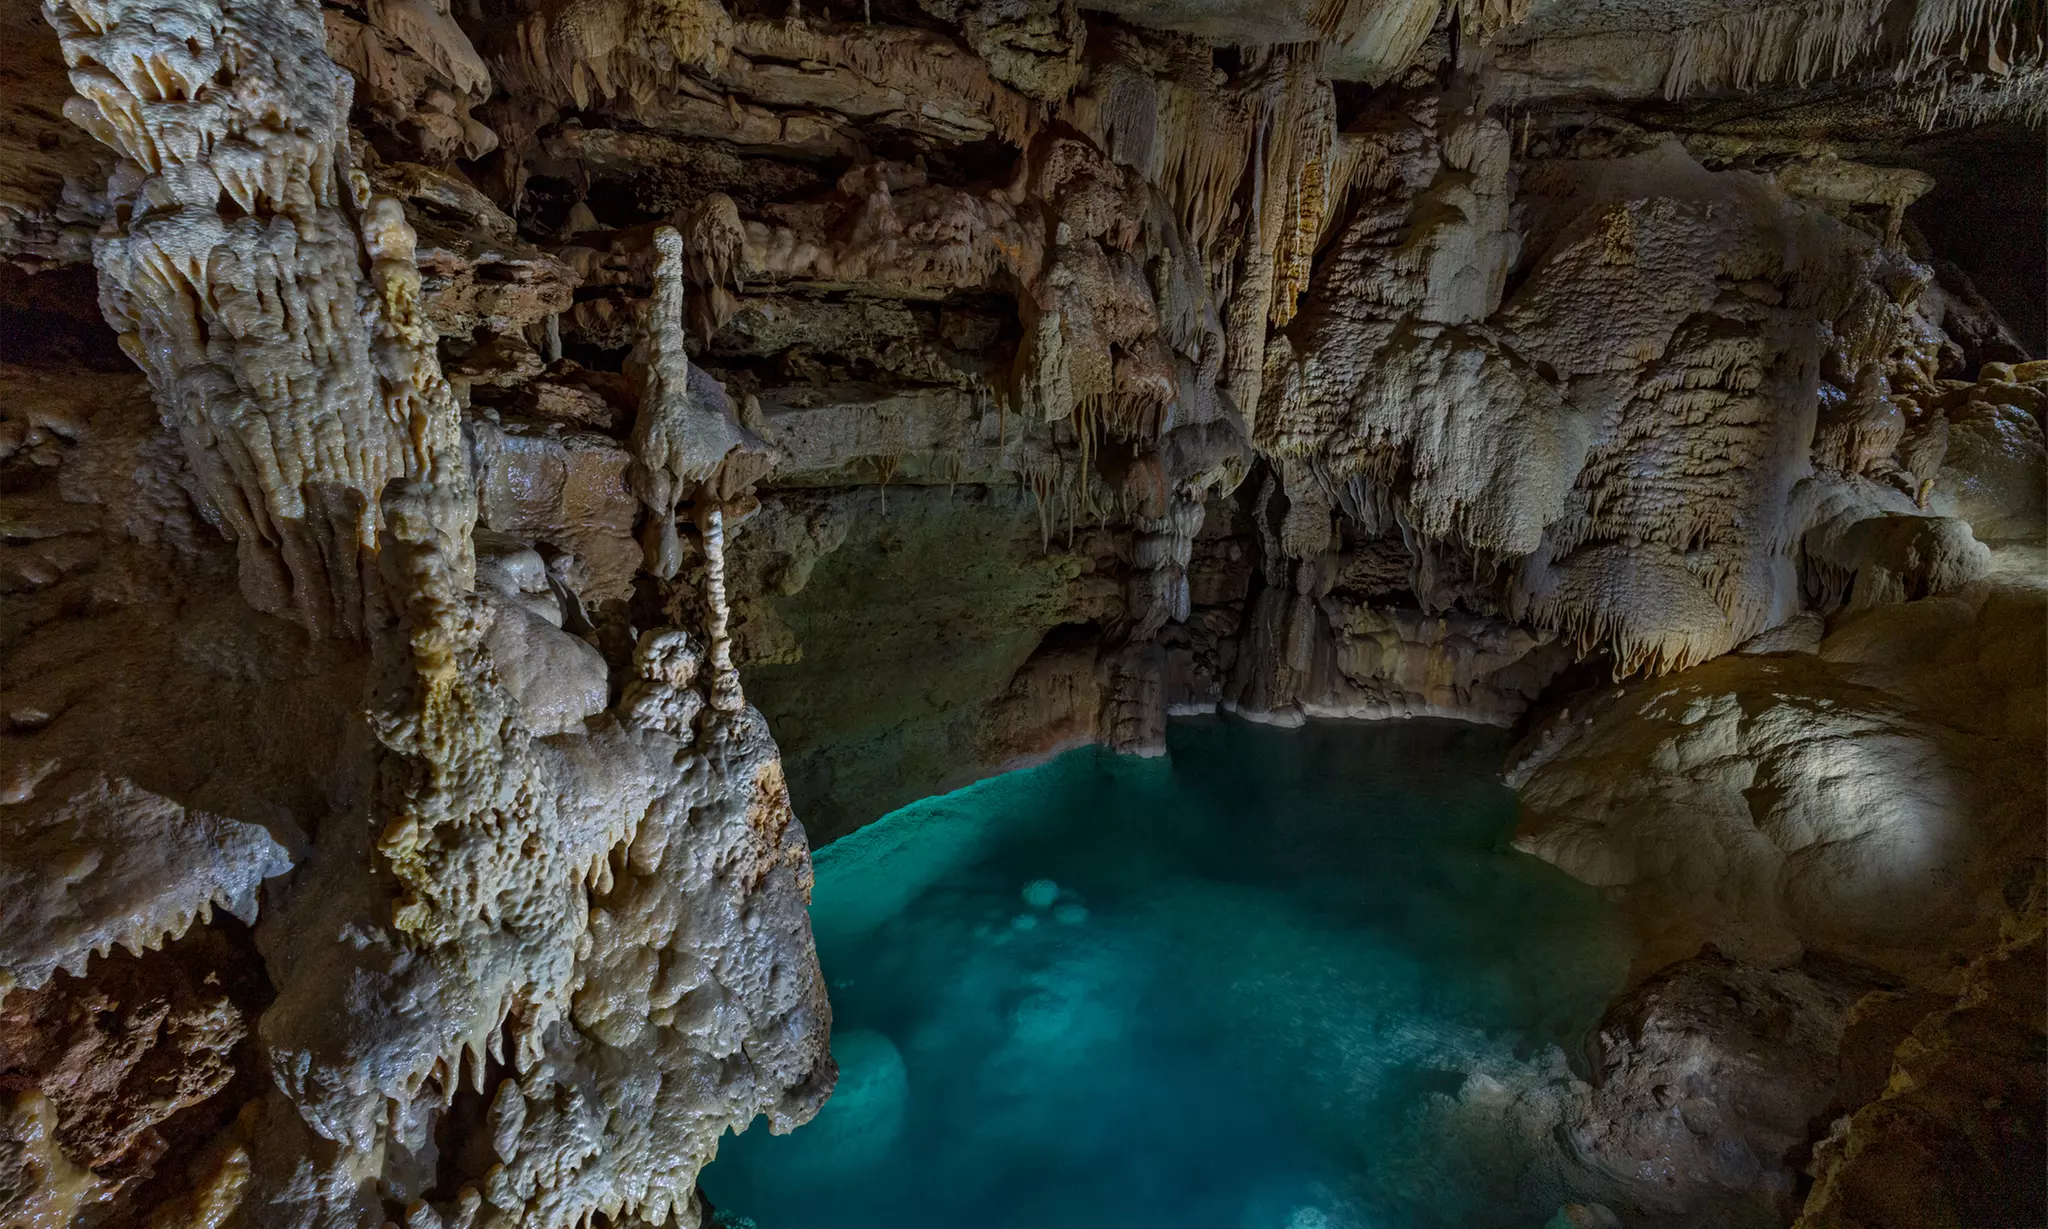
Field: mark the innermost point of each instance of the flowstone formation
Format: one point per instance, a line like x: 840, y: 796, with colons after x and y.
x: 527, y: 384
x: 529, y: 940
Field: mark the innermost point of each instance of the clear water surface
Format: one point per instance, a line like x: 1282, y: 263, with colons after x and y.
x: 1276, y: 980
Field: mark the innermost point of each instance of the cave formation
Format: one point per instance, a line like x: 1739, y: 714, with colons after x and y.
x: 476, y: 472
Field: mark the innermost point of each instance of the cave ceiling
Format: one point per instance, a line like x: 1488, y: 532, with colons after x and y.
x: 486, y: 484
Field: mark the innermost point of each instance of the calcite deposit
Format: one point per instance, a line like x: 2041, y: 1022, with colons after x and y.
x: 475, y: 473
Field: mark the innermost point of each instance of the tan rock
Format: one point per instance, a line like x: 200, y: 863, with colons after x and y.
x: 1868, y: 802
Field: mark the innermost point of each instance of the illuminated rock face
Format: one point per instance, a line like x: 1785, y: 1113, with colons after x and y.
x: 1869, y: 798
x: 529, y: 390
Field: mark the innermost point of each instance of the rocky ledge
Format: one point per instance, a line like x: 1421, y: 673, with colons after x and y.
x: 474, y: 472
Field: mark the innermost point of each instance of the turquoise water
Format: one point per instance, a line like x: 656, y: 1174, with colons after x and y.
x: 1276, y: 980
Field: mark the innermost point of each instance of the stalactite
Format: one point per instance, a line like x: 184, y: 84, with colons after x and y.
x: 1041, y: 492
x: 725, y: 678
x: 1289, y: 188
x: 1154, y: 107
x: 885, y: 469
x: 593, y: 49
x: 1527, y: 390
x: 715, y: 240
x: 913, y: 61
x: 1784, y: 42
x: 1806, y: 41
x: 678, y: 442
x: 258, y: 347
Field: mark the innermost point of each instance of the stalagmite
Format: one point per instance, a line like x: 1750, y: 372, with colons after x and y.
x: 725, y: 680
x: 677, y: 440
x: 486, y: 566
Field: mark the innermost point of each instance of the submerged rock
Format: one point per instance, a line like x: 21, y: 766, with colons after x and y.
x: 1584, y: 1216
x: 976, y: 380
x: 1708, y: 1079
x: 859, y: 1125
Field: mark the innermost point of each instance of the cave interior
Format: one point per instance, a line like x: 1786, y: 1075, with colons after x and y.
x: 489, y: 487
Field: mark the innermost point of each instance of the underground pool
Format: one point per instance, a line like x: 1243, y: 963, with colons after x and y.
x: 1277, y: 979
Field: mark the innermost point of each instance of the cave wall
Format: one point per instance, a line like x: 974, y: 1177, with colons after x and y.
x: 1980, y: 215
x: 921, y: 652
x: 574, y: 442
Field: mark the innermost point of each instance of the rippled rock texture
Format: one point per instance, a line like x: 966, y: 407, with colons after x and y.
x: 574, y: 438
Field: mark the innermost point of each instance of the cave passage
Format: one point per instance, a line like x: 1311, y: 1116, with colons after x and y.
x: 1274, y: 980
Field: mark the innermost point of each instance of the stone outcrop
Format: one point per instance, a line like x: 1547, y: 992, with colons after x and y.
x: 1955, y: 1132
x: 467, y: 843
x: 1708, y: 1078
x: 1847, y: 815
x: 1868, y: 799
x: 574, y: 440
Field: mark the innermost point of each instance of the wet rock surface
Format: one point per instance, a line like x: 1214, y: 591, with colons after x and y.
x: 574, y: 441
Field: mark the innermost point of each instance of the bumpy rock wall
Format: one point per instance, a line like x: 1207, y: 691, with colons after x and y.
x: 531, y: 940
x: 528, y: 385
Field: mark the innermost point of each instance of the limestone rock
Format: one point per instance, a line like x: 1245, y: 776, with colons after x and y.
x: 1867, y: 801
x: 1953, y: 1136
x: 557, y: 679
x: 918, y: 647
x: 973, y: 380
x: 1707, y: 1078
x: 114, y: 864
x: 567, y: 489
x: 123, y: 1070
x: 1995, y: 470
x: 1802, y: 633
